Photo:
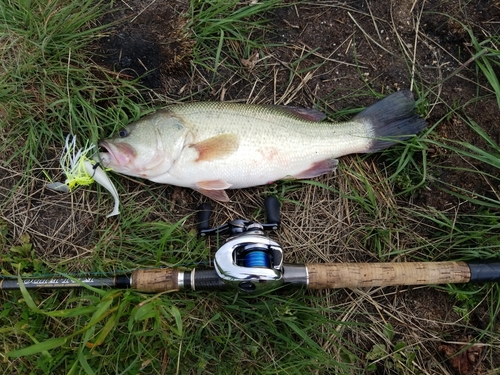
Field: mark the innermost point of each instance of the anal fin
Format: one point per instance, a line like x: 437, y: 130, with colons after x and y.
x: 317, y: 169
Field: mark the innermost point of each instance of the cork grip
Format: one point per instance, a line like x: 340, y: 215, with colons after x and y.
x: 155, y: 280
x: 365, y: 275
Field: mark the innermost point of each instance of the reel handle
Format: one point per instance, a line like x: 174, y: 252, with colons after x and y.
x: 272, y: 206
x: 203, y: 217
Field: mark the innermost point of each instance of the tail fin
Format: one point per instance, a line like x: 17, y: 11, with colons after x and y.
x: 391, y: 120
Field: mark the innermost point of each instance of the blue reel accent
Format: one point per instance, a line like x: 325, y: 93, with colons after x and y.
x: 257, y: 259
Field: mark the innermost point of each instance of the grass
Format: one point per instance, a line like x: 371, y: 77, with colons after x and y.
x: 50, y: 87
x: 370, y: 210
x: 485, y: 54
x: 228, y: 34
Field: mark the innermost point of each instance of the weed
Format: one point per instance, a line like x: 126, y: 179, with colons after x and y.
x: 399, y: 358
x: 486, y: 55
x: 227, y: 32
x: 49, y: 85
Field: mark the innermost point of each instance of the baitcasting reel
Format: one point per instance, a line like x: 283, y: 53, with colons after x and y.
x: 248, y: 260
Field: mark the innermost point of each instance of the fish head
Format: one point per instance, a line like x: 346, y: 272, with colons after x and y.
x: 146, y: 148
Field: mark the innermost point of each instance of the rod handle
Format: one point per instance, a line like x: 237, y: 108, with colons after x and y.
x: 366, y: 275
x: 155, y: 280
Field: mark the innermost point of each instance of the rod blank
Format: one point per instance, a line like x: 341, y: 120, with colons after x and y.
x: 119, y: 281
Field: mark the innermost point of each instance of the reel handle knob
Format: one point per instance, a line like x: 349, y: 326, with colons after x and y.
x: 203, y: 217
x: 272, y: 206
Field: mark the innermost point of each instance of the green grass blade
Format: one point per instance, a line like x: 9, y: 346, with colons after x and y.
x: 38, y: 348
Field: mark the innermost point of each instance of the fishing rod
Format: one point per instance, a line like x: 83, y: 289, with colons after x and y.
x: 250, y: 261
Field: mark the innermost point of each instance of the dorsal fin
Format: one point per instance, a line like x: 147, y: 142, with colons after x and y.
x: 303, y: 113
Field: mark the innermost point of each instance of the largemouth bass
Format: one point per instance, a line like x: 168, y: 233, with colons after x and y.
x: 210, y: 147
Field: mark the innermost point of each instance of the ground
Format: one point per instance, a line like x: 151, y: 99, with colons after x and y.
x: 328, y: 55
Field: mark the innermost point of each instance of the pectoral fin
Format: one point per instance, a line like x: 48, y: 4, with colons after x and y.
x: 214, y: 189
x: 216, y: 147
x: 317, y: 169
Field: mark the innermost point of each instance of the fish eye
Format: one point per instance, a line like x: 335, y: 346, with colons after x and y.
x: 124, y: 133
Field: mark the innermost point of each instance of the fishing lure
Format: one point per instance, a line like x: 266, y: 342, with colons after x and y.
x: 82, y: 171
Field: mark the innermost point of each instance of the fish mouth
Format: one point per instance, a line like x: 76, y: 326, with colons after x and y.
x: 119, y: 154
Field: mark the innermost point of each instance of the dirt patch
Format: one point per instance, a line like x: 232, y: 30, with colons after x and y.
x: 149, y: 42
